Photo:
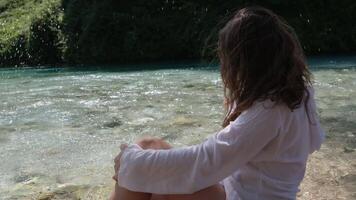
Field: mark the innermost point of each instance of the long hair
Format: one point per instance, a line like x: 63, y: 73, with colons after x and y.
x: 261, y: 58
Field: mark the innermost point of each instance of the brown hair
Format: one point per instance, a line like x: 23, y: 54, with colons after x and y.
x: 261, y: 58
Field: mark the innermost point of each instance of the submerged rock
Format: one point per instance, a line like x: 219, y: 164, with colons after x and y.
x: 25, y: 178
x: 141, y: 121
x: 188, y: 86
x: 113, y: 123
x: 183, y: 121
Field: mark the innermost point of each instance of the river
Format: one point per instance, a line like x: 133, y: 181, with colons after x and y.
x: 61, y: 127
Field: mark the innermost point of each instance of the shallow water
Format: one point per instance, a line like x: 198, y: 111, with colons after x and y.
x: 63, y: 126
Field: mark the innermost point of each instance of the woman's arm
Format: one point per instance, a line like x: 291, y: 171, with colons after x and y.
x: 190, y: 169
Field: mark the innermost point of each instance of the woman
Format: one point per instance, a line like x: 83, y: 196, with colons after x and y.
x: 269, y: 131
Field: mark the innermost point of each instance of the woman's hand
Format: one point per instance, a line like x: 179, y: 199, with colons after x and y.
x: 144, y: 143
x: 117, y: 161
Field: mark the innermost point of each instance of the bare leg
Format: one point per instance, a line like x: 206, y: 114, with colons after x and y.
x: 215, y: 192
x: 121, y: 193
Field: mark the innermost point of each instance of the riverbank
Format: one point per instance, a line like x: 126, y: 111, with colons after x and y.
x: 331, y: 174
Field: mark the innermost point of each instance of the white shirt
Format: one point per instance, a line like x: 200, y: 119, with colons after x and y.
x: 260, y: 155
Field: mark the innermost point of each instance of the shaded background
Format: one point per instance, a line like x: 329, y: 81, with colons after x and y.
x: 52, y: 32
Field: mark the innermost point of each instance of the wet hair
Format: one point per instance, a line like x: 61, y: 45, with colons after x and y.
x: 261, y: 58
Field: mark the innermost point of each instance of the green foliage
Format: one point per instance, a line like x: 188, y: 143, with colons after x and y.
x: 44, y: 45
x: 27, y: 32
x: 107, y: 31
x: 38, y: 32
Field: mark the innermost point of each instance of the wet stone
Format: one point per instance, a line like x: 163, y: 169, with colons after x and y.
x: 112, y: 124
x: 46, y: 196
x: 349, y: 181
x: 188, y: 86
x: 25, y: 178
x: 22, y: 178
x: 348, y: 150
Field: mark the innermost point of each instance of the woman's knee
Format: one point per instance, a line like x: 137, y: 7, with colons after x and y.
x: 153, y: 143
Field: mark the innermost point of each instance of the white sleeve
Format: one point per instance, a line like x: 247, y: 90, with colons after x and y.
x: 190, y: 169
x: 317, y: 134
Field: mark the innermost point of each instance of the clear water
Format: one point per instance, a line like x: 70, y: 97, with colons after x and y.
x: 63, y: 126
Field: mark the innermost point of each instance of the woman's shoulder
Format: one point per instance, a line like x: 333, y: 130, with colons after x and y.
x: 268, y: 108
x: 260, y: 110
x: 269, y: 104
x: 265, y: 105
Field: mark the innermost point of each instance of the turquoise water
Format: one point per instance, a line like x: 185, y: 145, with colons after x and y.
x: 62, y: 126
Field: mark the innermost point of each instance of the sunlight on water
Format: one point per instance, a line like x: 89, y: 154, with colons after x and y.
x: 60, y: 126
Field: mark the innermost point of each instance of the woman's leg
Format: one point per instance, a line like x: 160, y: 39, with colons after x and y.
x: 121, y: 193
x: 215, y: 192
